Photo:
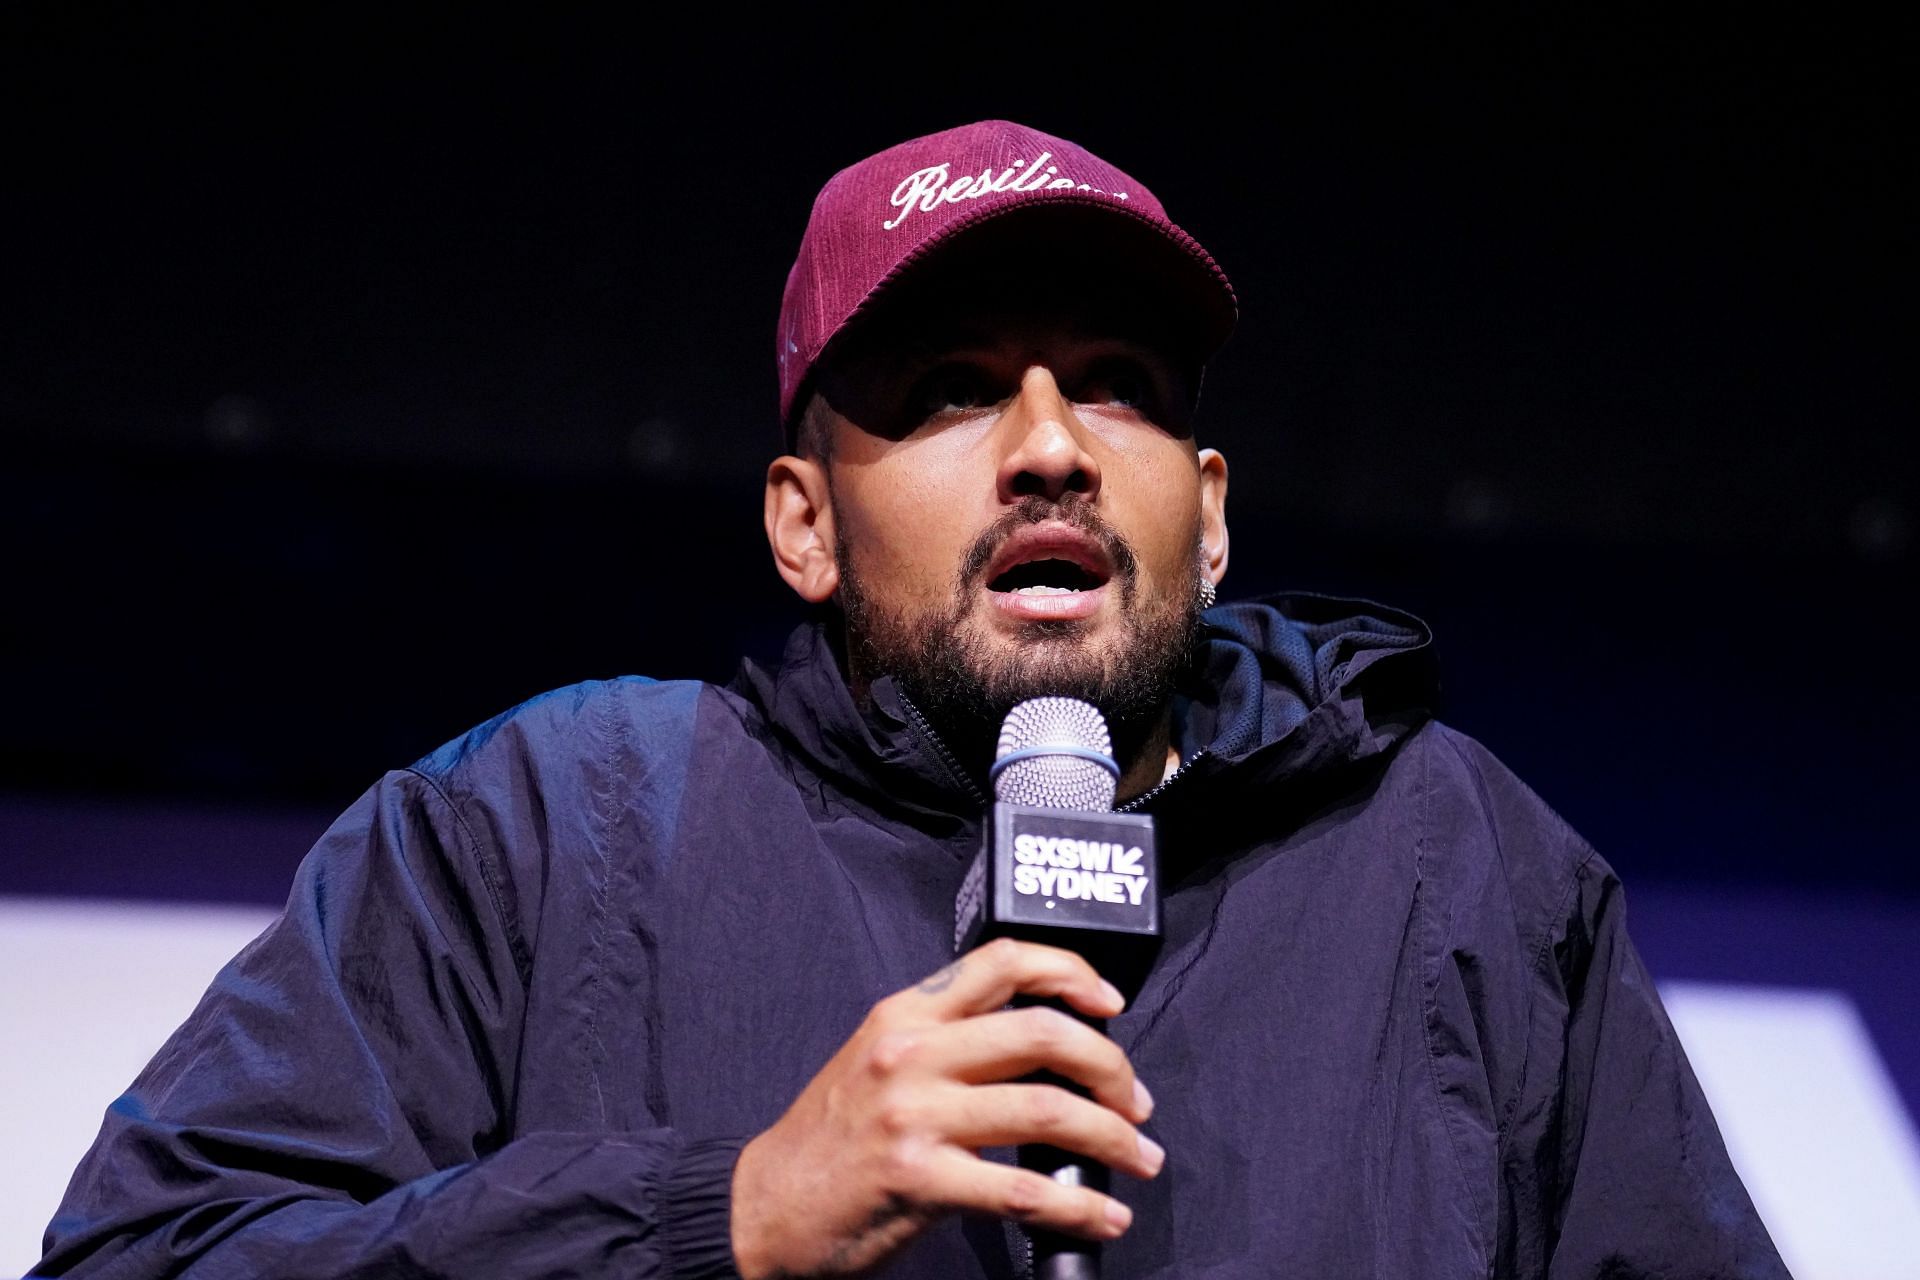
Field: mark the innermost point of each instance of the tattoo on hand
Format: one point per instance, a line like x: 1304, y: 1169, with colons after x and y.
x: 842, y: 1258
x: 935, y: 983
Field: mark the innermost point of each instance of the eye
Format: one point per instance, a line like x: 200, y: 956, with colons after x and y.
x: 1120, y: 382
x: 952, y: 388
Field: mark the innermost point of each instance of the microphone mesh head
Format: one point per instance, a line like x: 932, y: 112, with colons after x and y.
x: 1056, y: 781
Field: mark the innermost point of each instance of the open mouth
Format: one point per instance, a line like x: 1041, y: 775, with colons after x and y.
x: 1047, y: 577
x: 1049, y: 572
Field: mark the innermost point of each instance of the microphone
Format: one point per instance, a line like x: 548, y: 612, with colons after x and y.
x: 1058, y: 866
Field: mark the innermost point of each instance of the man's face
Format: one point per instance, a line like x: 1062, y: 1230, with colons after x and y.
x: 1017, y: 507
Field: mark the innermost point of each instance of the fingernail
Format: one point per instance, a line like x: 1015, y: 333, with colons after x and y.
x: 1142, y: 1100
x: 1112, y: 993
x: 1152, y: 1154
x: 1119, y: 1217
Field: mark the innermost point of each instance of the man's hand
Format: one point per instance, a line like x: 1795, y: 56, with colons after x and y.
x: 886, y: 1137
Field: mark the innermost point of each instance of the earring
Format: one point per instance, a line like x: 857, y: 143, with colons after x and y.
x: 1207, y: 593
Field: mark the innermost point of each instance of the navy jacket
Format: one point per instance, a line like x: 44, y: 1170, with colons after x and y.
x: 530, y: 995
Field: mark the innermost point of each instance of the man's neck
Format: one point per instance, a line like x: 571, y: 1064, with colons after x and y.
x: 1153, y: 764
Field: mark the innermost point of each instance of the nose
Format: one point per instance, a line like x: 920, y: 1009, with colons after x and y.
x: 1047, y: 450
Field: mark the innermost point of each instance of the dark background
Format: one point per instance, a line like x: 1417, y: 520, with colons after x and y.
x: 367, y: 372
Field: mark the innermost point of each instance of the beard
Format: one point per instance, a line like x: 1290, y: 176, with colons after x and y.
x: 965, y: 680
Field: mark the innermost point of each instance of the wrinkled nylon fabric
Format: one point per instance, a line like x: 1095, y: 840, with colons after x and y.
x: 530, y: 996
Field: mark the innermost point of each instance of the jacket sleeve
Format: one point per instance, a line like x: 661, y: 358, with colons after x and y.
x: 340, y: 1102
x: 1645, y: 1185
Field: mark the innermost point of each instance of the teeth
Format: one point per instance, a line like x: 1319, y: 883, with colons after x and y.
x: 1045, y: 591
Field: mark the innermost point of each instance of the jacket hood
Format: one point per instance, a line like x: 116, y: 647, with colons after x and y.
x: 1284, y: 688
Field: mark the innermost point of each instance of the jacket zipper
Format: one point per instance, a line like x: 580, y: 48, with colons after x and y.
x: 940, y: 751
x: 1140, y: 801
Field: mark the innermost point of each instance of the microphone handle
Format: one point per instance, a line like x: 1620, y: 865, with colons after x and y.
x: 1057, y: 1256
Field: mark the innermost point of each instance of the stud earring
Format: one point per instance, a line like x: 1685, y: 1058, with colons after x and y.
x: 1207, y: 593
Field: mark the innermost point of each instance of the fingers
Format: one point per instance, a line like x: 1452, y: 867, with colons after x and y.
x: 1008, y: 1115
x: 941, y: 1055
x: 1017, y: 1042
x: 961, y: 1181
x: 988, y: 977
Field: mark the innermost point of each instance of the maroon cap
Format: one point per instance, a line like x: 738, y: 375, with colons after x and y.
x: 874, y: 221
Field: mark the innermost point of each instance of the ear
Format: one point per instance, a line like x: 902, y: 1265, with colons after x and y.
x: 799, y: 518
x: 1213, y: 514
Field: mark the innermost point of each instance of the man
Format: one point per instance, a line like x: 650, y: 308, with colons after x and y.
x: 655, y: 979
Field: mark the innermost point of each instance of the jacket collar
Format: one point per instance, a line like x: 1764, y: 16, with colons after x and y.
x: 1283, y: 688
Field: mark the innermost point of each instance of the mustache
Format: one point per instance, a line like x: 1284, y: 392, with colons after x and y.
x: 1072, y: 510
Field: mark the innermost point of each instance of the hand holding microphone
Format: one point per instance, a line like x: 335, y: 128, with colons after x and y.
x: 886, y: 1137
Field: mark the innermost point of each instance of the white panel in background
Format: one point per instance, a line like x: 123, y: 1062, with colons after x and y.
x: 1813, y: 1124
x: 88, y: 991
